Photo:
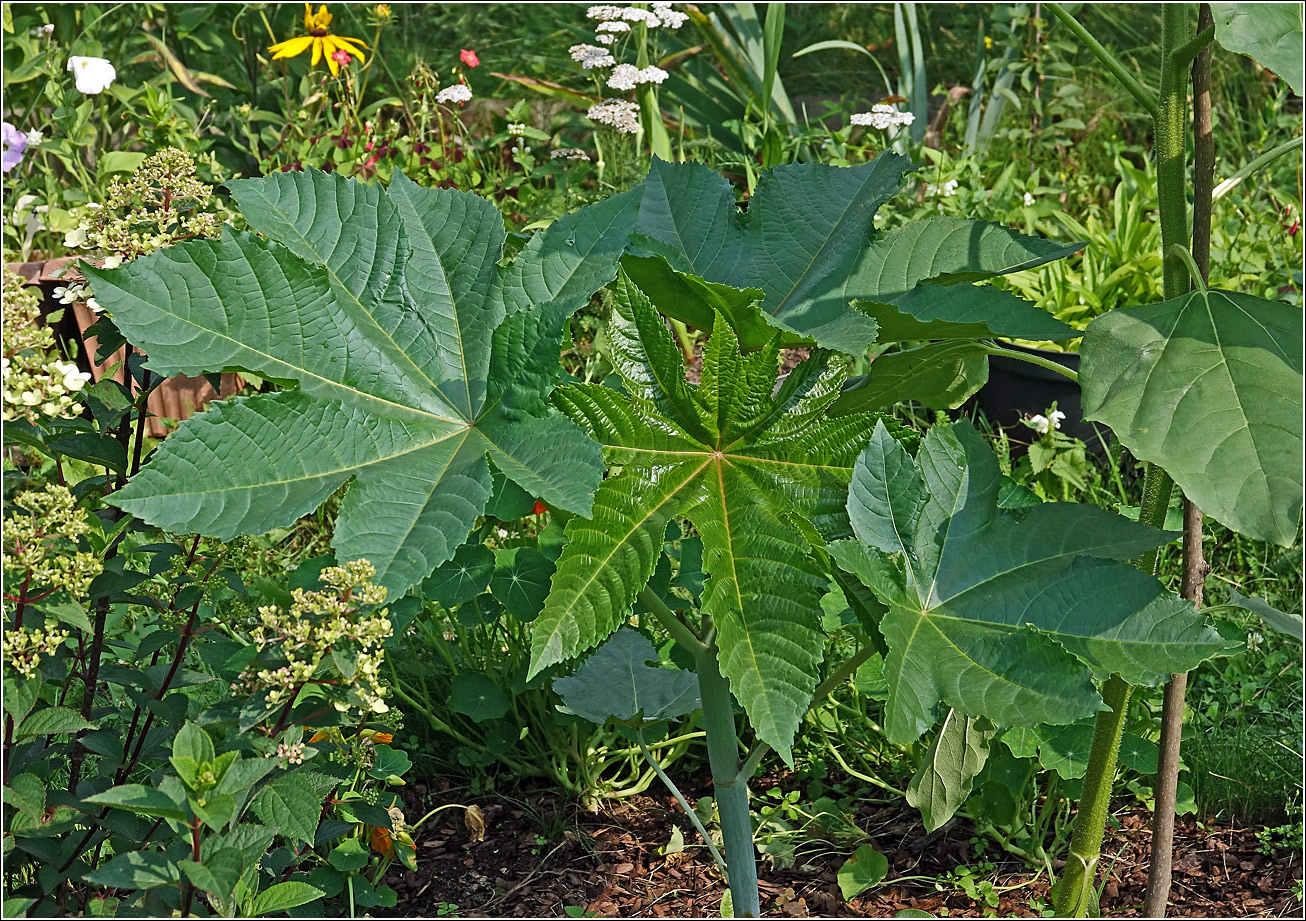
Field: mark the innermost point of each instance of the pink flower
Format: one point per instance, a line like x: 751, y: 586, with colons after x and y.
x: 341, y: 57
x: 469, y: 58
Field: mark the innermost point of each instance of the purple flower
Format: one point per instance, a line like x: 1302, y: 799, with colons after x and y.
x: 13, y: 142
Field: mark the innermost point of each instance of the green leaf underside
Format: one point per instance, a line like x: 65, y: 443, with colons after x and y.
x: 1208, y: 386
x: 617, y: 683
x: 408, y: 356
x: 947, y: 773
x: 940, y: 375
x: 1001, y: 614
x: 1269, y: 32
x: 760, y: 477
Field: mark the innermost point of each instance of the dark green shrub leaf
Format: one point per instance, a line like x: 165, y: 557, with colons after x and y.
x: 407, y: 353
x: 291, y: 805
x: 477, y: 697
x: 617, y: 683
x: 142, y: 800
x: 136, y: 870
x: 1002, y: 613
x: 49, y: 721
x: 283, y: 896
x: 218, y: 874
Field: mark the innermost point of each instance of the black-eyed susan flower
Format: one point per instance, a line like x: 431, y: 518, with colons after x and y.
x: 320, y: 40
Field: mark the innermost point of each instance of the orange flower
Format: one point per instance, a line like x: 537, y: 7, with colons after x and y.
x: 382, y: 841
x: 376, y: 738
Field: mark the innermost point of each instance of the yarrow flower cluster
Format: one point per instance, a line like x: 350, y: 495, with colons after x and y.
x: 160, y: 203
x: 660, y: 16
x: 568, y: 153
x: 40, y: 547
x: 37, y: 384
x: 459, y: 93
x: 24, y: 649
x: 321, y: 629
x: 591, y: 56
x: 628, y: 76
x: 882, y: 117
x: 616, y: 113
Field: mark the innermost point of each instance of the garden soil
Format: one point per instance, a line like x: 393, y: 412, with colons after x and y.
x: 544, y: 855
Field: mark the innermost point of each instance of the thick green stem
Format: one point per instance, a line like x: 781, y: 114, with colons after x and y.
x: 731, y: 789
x: 1075, y: 893
x: 1170, y: 127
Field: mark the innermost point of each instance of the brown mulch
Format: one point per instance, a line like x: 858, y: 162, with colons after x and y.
x: 544, y: 854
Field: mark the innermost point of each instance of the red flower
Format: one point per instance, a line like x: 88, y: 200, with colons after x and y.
x: 1296, y: 226
x: 539, y: 508
x: 341, y: 57
x: 469, y: 58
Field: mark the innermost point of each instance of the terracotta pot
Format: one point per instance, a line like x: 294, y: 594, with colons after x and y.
x: 177, y: 398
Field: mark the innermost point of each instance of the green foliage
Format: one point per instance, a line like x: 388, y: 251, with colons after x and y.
x: 408, y: 402
x: 1208, y: 387
x: 998, y: 613
x: 617, y: 683
x: 956, y: 754
x: 760, y: 478
x: 1272, y: 35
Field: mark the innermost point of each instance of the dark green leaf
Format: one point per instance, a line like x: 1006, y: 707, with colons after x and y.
x: 521, y: 581
x: 864, y: 869
x: 51, y: 721
x: 142, y: 800
x: 941, y: 375
x: 282, y: 896
x: 617, y: 683
x: 291, y: 805
x: 136, y: 870
x: 477, y: 697
x: 461, y: 579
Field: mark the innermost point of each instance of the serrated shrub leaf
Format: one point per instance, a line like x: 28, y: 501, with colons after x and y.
x: 762, y: 475
x: 998, y: 613
x: 408, y: 356
x: 1209, y: 387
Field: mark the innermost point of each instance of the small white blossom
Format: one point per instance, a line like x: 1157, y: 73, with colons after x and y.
x: 634, y: 14
x: 568, y: 153
x: 616, y: 26
x: 111, y: 262
x: 1029, y: 200
x: 618, y: 113
x: 604, y: 12
x: 627, y: 76
x: 669, y: 18
x: 1040, y: 423
x: 48, y: 28
x: 516, y: 128
x: 75, y: 237
x: 882, y: 117
x: 1055, y: 418
x: 591, y: 56
x: 34, y: 138
x: 457, y: 93
x: 73, y: 379
x: 93, y: 75
x: 949, y: 188
x: 606, y: 38
x: 70, y: 294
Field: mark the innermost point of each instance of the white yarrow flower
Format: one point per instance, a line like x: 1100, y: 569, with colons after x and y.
x: 628, y: 76
x: 606, y: 38
x: 669, y: 18
x: 882, y: 117
x: 634, y: 14
x: 458, y: 93
x: 614, y: 26
x: 591, y: 56
x: 604, y: 12
x: 93, y: 75
x: 618, y: 113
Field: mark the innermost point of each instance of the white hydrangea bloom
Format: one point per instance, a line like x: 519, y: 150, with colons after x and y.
x: 457, y: 93
x: 618, y: 113
x: 73, y: 379
x: 93, y: 75
x: 591, y: 56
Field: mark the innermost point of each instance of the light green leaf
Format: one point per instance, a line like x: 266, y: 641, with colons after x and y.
x: 282, y: 896
x: 947, y: 773
x: 941, y: 375
x: 1281, y: 621
x: 1002, y: 613
x: 1269, y: 32
x: 136, y: 870
x: 407, y: 354
x: 1209, y: 387
x: 864, y: 869
x: 49, y: 721
x: 142, y: 800
x: 617, y: 683
x: 762, y: 474
x: 291, y: 805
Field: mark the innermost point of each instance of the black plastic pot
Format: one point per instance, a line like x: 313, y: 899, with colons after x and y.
x: 1017, y: 388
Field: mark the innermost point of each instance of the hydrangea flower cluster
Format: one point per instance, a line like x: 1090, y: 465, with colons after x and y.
x: 882, y: 117
x: 37, y: 384
x: 24, y: 649
x: 321, y: 630
x: 40, y: 548
x: 161, y: 203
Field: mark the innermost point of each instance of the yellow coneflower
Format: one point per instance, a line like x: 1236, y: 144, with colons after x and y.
x: 320, y: 39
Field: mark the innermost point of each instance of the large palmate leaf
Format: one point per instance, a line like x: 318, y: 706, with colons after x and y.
x: 1003, y: 613
x: 760, y: 473
x: 1208, y: 386
x: 407, y: 354
x: 807, y: 242
x: 1269, y: 32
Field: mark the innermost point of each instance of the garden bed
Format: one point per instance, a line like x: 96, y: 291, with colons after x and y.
x: 545, y: 855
